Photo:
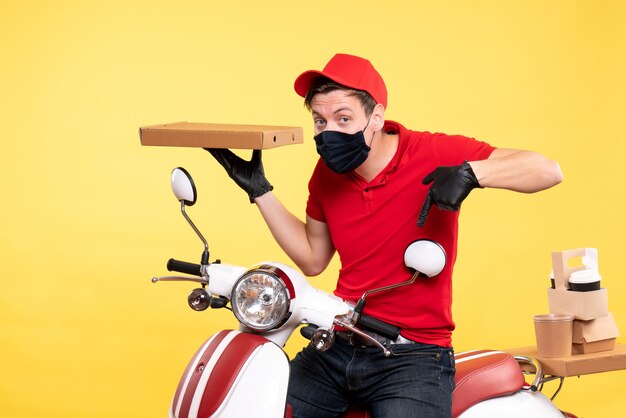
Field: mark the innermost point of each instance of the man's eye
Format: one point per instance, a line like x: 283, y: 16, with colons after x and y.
x: 319, y: 122
x: 344, y: 120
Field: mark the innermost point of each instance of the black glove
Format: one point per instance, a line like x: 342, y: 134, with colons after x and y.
x: 248, y: 175
x: 450, y: 186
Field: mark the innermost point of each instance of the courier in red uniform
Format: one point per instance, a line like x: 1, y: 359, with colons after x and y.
x: 378, y: 187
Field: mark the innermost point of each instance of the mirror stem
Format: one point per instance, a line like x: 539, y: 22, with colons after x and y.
x: 205, y: 257
x: 205, y: 254
x: 361, y: 303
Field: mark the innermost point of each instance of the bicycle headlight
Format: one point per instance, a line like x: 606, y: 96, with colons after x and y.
x: 260, y: 298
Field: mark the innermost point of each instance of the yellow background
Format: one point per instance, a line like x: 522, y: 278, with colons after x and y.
x: 88, y: 218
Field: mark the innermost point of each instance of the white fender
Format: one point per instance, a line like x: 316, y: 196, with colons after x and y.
x: 233, y: 375
x: 522, y: 404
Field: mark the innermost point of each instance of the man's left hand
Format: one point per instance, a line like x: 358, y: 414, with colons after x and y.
x: 450, y: 186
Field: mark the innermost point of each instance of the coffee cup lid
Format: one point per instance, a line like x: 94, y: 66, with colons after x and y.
x: 584, y: 276
x: 553, y: 318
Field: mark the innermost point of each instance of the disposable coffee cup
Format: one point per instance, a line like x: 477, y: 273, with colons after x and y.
x: 584, y: 281
x: 554, y: 334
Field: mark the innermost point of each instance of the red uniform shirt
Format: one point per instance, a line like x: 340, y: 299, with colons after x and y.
x: 371, y: 224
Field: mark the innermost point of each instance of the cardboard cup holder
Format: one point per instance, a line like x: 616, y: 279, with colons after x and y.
x: 576, y: 290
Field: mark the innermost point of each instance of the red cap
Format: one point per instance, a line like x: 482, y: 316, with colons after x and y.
x: 350, y: 71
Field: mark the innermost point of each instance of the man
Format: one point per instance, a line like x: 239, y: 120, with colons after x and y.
x: 377, y: 188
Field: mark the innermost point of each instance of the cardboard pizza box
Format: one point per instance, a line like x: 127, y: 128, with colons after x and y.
x: 211, y: 135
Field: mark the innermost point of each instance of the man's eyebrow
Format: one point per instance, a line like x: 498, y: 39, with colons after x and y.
x: 341, y: 109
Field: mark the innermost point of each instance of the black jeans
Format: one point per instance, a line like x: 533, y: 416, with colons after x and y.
x: 416, y: 381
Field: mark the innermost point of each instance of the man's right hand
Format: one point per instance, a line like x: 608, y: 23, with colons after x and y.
x: 249, y: 175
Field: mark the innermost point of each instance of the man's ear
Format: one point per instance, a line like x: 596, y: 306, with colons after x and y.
x: 378, y: 117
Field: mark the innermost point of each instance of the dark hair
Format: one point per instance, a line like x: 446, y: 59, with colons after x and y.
x: 324, y: 85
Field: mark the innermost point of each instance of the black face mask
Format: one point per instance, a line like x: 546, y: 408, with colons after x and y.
x: 342, y: 152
